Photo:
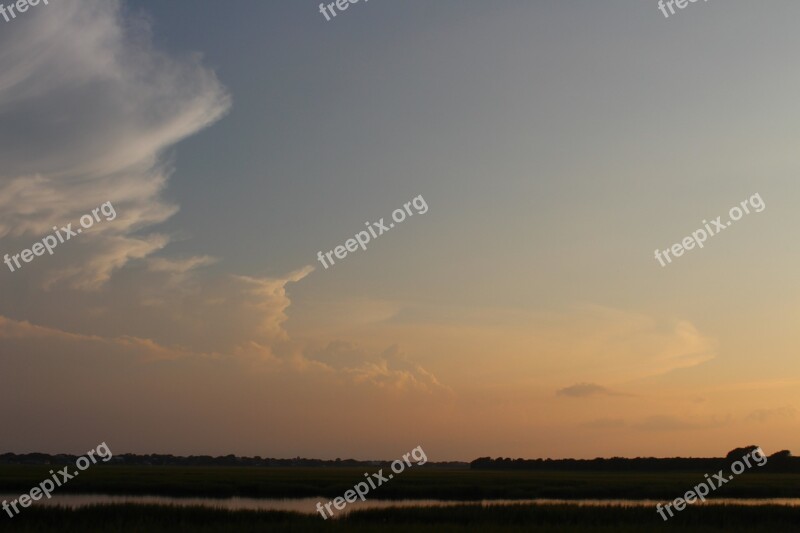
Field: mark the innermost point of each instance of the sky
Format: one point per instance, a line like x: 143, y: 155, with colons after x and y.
x: 522, y: 313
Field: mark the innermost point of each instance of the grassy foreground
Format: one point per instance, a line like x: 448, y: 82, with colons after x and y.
x: 415, y: 483
x: 466, y: 518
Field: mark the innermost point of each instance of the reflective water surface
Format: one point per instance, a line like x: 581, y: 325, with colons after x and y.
x: 308, y: 505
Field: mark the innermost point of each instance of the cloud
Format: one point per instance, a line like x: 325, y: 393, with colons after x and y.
x: 389, y: 370
x: 97, y: 107
x: 179, y: 269
x: 59, y: 390
x: 637, y: 345
x: 581, y: 344
x: 23, y: 338
x: 583, y: 390
x: 267, y: 298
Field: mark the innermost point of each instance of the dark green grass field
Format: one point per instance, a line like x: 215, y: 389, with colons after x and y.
x: 466, y: 518
x: 414, y: 483
x: 419, y: 483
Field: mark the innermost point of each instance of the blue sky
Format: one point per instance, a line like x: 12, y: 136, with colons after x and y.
x: 557, y: 145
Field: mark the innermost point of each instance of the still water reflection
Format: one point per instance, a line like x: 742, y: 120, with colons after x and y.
x: 308, y: 505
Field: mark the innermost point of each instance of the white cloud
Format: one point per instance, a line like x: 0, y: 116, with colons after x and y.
x: 389, y: 370
x: 95, y: 106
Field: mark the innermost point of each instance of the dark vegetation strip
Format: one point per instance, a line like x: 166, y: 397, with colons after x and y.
x: 466, y: 518
x: 413, y: 484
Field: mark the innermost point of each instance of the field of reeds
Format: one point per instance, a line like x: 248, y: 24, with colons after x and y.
x: 423, y: 483
x: 466, y: 518
x: 419, y: 483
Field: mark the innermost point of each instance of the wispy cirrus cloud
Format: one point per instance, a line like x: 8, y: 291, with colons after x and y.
x: 96, y: 106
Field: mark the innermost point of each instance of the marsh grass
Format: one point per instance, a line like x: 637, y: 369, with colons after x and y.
x: 419, y: 483
x: 463, y: 518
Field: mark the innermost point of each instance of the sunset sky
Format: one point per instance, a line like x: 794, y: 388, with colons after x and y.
x: 557, y: 144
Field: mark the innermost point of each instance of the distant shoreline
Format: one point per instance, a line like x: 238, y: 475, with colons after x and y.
x: 779, y: 462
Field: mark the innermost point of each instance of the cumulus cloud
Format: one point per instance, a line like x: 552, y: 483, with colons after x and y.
x: 267, y: 298
x: 203, y: 312
x: 96, y: 106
